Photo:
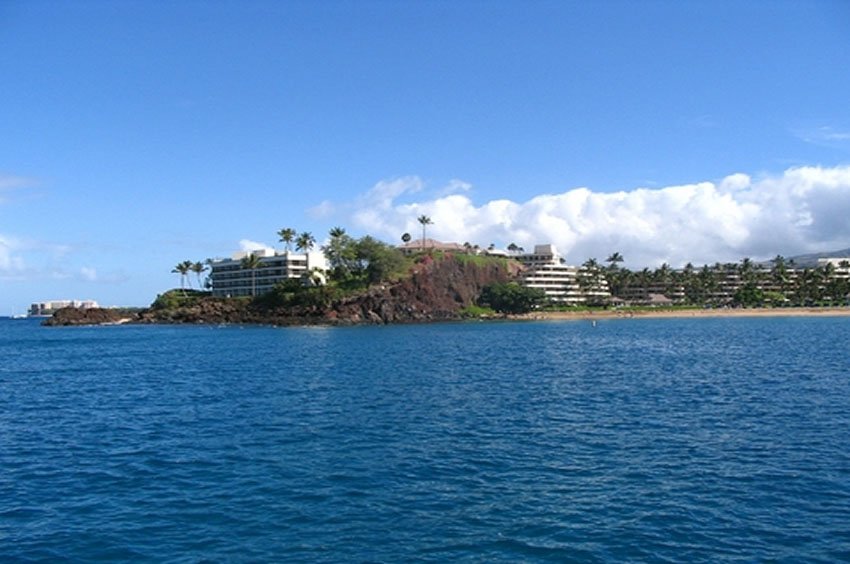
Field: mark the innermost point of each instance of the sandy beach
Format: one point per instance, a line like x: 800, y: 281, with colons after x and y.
x: 720, y: 312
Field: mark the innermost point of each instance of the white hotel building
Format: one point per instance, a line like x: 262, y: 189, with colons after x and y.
x: 546, y: 270
x: 230, y: 279
x: 46, y: 309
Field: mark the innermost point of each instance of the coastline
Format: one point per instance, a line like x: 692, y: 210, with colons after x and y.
x: 690, y: 313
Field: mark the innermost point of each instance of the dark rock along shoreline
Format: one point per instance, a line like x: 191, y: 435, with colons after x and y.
x: 436, y: 290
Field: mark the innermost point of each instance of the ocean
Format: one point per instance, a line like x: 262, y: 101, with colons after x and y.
x: 649, y: 440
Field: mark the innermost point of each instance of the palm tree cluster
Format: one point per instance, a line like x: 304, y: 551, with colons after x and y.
x: 303, y: 242
x: 187, y: 266
x: 745, y: 283
x: 360, y: 262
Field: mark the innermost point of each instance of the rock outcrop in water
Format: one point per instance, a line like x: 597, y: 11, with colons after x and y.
x: 436, y: 289
x: 91, y: 316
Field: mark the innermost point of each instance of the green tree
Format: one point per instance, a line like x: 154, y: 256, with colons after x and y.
x: 749, y: 295
x: 377, y: 261
x: 424, y: 220
x: 199, y: 268
x: 287, y: 236
x: 340, y: 253
x: 183, y: 269
x: 614, y: 275
x: 613, y: 260
x: 747, y: 270
x: 779, y: 273
x: 511, y: 298
x: 305, y: 242
x: 589, y: 280
x: 252, y: 262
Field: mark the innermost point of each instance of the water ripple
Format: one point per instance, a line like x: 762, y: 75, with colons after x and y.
x: 635, y: 440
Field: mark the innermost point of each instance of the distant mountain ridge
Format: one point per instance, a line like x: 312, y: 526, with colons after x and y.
x: 811, y: 259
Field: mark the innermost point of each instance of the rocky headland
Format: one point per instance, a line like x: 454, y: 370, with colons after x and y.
x: 436, y: 289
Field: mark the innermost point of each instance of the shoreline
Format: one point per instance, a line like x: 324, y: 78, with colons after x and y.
x: 689, y: 313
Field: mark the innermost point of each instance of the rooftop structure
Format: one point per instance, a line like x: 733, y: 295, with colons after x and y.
x: 419, y: 245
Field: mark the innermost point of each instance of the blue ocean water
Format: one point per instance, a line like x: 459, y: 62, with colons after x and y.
x: 634, y: 440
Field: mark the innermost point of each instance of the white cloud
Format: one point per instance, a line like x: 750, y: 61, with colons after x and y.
x: 9, y: 183
x: 11, y: 265
x: 825, y: 136
x: 804, y: 209
x: 247, y: 245
x: 89, y: 274
x: 325, y: 209
x: 454, y: 186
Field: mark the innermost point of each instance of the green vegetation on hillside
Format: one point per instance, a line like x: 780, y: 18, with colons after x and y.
x: 356, y: 264
x: 173, y: 299
x: 353, y: 266
x: 511, y: 298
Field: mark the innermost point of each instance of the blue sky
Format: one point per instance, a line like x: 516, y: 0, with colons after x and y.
x: 134, y: 135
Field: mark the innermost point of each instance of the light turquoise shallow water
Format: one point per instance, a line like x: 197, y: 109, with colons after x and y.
x: 643, y: 440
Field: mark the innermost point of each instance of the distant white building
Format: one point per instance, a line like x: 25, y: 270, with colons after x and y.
x: 841, y: 265
x: 562, y: 283
x: 230, y: 279
x: 46, y: 309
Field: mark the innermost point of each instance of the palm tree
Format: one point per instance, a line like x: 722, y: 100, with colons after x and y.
x: 424, y: 220
x: 287, y: 236
x: 613, y: 275
x: 338, y: 252
x: 252, y: 262
x: 305, y: 242
x: 613, y: 259
x: 747, y: 270
x: 588, y: 277
x: 199, y: 268
x: 183, y: 269
x: 779, y: 272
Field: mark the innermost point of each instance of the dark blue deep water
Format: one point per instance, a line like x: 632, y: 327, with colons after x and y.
x: 635, y: 440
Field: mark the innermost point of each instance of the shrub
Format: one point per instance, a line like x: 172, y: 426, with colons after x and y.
x: 511, y: 298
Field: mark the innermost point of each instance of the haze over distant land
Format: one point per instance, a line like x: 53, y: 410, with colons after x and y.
x: 136, y: 136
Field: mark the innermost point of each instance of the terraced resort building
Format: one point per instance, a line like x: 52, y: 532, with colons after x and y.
x: 545, y: 269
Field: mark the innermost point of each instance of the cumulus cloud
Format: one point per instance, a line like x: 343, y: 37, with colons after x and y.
x: 454, y: 186
x: 247, y: 245
x: 801, y: 210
